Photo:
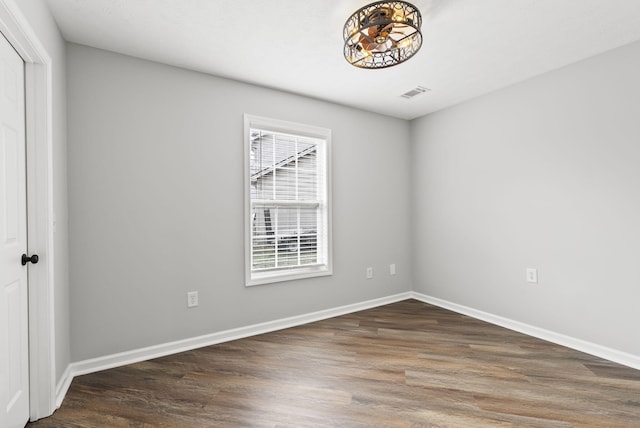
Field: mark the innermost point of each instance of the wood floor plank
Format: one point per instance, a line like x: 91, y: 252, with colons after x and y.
x: 407, y: 364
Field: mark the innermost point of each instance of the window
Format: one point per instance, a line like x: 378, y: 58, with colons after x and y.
x: 288, y: 215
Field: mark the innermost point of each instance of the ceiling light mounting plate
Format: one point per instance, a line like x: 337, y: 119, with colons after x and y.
x: 382, y: 34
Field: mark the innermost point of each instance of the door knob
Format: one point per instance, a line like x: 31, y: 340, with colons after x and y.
x: 33, y: 259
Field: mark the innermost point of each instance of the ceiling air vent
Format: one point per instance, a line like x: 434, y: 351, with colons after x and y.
x: 415, y: 91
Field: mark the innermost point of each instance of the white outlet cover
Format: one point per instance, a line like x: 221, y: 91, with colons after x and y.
x: 532, y: 275
x: 192, y: 299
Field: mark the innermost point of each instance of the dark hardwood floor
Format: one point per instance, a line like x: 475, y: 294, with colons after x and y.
x: 407, y: 364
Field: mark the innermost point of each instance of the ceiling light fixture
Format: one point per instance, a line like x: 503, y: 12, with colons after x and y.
x: 382, y: 34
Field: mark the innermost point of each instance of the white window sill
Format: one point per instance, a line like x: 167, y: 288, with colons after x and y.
x: 257, y: 278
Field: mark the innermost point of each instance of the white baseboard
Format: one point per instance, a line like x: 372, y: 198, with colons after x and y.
x: 614, y: 355
x: 63, y: 386
x: 148, y: 353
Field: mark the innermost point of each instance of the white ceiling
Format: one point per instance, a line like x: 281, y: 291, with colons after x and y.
x: 470, y: 47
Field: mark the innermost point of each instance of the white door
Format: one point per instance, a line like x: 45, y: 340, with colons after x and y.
x: 14, y: 344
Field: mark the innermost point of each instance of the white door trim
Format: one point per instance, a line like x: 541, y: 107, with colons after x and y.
x: 39, y: 124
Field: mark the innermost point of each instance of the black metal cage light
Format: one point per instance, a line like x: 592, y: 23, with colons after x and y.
x: 382, y: 34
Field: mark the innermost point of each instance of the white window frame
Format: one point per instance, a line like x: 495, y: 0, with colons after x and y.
x: 265, y: 277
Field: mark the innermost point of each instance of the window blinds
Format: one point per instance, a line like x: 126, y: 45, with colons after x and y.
x: 287, y: 198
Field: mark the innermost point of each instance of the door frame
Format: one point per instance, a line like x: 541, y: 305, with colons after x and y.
x: 40, y: 218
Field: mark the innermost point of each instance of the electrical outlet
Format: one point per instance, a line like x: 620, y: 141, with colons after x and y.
x: 192, y: 299
x: 392, y: 269
x: 369, y: 272
x: 532, y: 275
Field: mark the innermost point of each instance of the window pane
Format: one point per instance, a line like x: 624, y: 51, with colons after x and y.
x: 308, y: 176
x: 283, y: 167
x: 293, y: 229
x: 297, y: 236
x: 308, y: 236
x: 286, y: 183
x: 263, y: 238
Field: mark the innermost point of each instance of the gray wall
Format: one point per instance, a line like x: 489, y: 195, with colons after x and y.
x: 156, y: 204
x: 544, y: 174
x: 41, y: 21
